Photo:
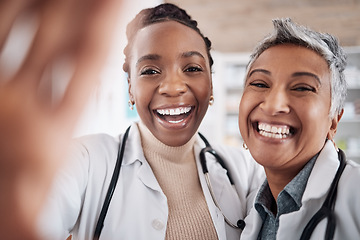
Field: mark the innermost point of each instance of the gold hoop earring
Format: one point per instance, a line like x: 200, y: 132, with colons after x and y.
x: 131, y: 105
x: 211, y: 100
x: 245, y: 146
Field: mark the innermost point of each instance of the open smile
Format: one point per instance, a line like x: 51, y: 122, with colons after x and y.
x: 273, y: 130
x: 174, y: 116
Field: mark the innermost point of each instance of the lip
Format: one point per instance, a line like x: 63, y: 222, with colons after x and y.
x: 174, y: 116
x: 273, y: 131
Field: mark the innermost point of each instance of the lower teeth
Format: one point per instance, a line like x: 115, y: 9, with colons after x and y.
x: 272, y: 135
x: 176, y: 121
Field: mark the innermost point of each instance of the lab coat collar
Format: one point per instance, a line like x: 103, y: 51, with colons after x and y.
x: 318, y: 184
x: 217, y: 174
x: 133, y: 149
x: 220, y: 183
x: 224, y: 192
x: 322, y: 173
x: 316, y: 190
x: 253, y: 224
x: 133, y: 153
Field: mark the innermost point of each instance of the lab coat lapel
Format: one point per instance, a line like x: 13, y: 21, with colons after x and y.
x: 253, y: 224
x: 291, y: 225
x: 134, y: 155
x: 224, y: 192
x: 322, y: 174
x: 214, y: 212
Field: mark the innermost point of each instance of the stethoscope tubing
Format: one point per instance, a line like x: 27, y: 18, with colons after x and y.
x: 115, y: 177
x: 327, y: 209
x: 220, y: 160
x: 112, y: 186
x: 240, y: 224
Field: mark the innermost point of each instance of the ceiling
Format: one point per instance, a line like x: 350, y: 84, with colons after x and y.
x: 236, y: 25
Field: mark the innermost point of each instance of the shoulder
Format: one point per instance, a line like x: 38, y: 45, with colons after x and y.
x: 348, y: 197
x: 349, y: 181
x: 96, y: 144
x: 92, y: 152
x: 351, y: 174
x: 96, y: 140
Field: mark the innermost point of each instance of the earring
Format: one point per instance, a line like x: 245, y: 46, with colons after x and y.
x: 245, y: 146
x: 131, y: 105
x: 211, y: 100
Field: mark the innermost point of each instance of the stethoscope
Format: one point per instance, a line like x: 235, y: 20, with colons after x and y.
x: 327, y: 209
x: 240, y: 224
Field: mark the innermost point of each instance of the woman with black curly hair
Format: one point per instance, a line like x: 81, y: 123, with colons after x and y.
x: 159, y: 190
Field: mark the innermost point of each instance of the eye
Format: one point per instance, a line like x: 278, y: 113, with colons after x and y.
x: 304, y: 88
x: 149, y: 71
x: 259, y: 84
x: 193, y: 69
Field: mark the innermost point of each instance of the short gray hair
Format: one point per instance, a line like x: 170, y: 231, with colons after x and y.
x: 326, y: 45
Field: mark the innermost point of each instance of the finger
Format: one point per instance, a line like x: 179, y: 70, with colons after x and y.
x: 56, y: 32
x: 91, y: 57
x: 9, y: 10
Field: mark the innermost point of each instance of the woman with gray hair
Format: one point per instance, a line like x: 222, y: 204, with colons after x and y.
x: 292, y: 103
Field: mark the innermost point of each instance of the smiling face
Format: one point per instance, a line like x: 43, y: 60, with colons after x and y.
x: 170, y: 80
x: 284, y: 110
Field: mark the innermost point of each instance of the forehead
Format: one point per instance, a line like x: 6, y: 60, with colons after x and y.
x: 289, y: 58
x: 166, y: 37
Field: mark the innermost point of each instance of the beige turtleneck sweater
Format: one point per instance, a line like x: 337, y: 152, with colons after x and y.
x: 176, y: 171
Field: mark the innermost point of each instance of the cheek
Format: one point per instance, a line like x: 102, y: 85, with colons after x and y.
x: 315, y: 122
x: 204, y: 95
x: 247, y: 103
x: 142, y: 93
x: 244, y: 111
x: 315, y: 117
x: 201, y: 91
x: 313, y: 109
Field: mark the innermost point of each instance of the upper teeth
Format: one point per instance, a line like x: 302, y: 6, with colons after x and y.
x: 174, y: 111
x: 273, y: 131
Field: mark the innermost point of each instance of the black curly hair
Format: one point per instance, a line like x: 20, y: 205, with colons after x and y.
x: 161, y: 13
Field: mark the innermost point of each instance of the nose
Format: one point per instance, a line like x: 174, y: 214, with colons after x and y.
x: 275, y: 102
x: 173, y: 85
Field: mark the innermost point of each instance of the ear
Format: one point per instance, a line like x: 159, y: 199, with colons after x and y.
x: 334, y: 125
x: 131, y: 97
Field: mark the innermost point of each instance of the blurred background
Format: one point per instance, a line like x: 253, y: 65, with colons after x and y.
x: 234, y: 27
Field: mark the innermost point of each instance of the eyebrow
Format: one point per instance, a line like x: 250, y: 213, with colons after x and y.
x: 296, y: 74
x: 259, y: 70
x: 299, y: 74
x: 157, y: 57
x: 148, y: 57
x: 192, y: 53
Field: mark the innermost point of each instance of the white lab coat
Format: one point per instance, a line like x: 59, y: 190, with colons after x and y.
x: 347, y: 207
x: 138, y: 209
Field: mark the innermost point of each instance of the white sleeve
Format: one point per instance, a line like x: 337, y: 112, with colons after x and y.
x: 63, y: 206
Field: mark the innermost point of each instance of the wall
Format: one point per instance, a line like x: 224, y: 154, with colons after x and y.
x: 236, y: 25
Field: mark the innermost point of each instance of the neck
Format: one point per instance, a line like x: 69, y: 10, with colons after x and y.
x: 152, y: 146
x: 278, y: 180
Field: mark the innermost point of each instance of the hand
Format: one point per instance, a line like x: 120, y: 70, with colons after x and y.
x: 34, y: 131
